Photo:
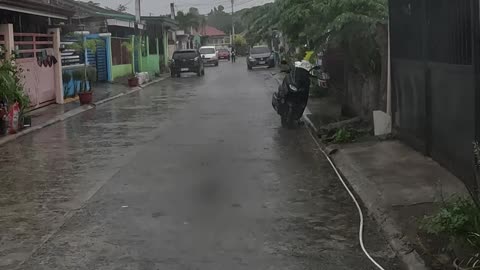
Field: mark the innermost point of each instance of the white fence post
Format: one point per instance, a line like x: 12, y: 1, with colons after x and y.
x: 57, y: 67
x: 7, y: 31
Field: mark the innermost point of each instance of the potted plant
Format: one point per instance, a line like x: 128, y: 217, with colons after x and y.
x: 66, y: 78
x: 86, y: 90
x: 3, y: 118
x: 14, y: 103
x: 132, y: 79
x: 86, y: 78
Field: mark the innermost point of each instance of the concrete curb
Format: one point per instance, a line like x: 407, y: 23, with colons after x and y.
x: 369, y: 196
x: 368, y: 193
x: 75, y: 112
x: 50, y: 122
x: 279, y: 81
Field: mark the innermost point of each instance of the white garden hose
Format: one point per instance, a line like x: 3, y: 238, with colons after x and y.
x: 360, y: 212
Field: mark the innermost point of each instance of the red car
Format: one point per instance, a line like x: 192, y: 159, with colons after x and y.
x: 224, y: 54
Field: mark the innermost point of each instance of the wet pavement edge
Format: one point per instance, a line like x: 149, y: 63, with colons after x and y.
x: 74, y: 112
x: 392, y: 232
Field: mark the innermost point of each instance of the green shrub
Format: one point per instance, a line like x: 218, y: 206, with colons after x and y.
x: 459, y: 219
x: 11, y: 87
x: 344, y: 135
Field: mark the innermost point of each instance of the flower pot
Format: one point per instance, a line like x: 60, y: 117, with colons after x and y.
x: 3, y: 127
x: 133, y: 82
x: 26, y: 121
x: 85, y: 97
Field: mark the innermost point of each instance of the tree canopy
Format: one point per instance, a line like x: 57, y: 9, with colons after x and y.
x: 217, y: 18
x: 316, y: 20
x: 122, y: 8
x: 188, y: 20
x: 351, y: 24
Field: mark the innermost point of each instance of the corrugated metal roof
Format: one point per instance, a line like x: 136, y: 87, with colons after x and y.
x: 36, y: 8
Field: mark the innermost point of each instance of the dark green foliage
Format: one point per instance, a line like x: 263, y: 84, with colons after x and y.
x: 11, y: 86
x: 459, y: 219
x: 344, y: 135
x: 350, y: 24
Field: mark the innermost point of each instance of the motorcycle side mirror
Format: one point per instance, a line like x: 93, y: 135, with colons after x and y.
x: 314, y: 71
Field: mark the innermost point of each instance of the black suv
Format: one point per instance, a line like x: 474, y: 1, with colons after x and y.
x: 186, y: 61
x: 260, y: 56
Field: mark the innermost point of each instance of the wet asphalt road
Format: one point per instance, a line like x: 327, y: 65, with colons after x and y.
x: 190, y: 173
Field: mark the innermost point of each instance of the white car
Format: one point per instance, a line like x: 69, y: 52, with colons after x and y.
x: 209, y: 55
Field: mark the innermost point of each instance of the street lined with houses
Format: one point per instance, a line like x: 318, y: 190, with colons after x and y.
x: 187, y: 173
x: 240, y: 134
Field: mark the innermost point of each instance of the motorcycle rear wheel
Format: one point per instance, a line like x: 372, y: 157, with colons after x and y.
x: 284, y: 121
x: 287, y: 121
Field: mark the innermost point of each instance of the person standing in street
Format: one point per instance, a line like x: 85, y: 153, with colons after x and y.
x: 234, y: 54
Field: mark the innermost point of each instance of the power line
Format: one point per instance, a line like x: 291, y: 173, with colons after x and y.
x: 245, y: 2
x: 214, y: 4
x: 202, y: 4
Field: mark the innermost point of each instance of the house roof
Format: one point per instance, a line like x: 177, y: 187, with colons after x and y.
x: 36, y: 8
x: 85, y: 10
x: 209, y: 31
x: 165, y: 20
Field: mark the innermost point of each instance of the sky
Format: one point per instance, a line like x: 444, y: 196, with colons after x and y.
x: 162, y: 7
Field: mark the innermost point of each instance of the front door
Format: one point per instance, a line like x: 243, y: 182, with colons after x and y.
x: 101, y: 63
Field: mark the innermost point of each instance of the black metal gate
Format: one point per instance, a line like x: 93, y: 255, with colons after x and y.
x: 434, y: 78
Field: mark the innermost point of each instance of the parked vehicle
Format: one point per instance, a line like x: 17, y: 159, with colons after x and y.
x: 224, y: 54
x: 186, y: 61
x: 260, y: 56
x: 209, y: 55
x: 291, y: 99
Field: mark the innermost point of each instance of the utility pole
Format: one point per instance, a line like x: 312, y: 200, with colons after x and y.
x: 172, y: 11
x: 233, y: 25
x: 136, y: 42
x: 137, y: 11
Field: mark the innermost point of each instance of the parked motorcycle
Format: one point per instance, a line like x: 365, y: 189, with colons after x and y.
x: 291, y: 99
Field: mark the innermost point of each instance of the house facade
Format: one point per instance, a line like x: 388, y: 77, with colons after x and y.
x: 124, y: 47
x: 212, y: 36
x: 113, y: 30
x: 158, y: 29
x: 29, y: 32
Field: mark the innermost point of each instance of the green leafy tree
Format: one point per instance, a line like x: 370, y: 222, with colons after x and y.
x: 187, y: 21
x: 194, y: 11
x: 340, y: 22
x: 121, y: 8
x: 11, y: 86
x: 260, y: 21
x: 358, y: 27
x: 240, y: 44
x: 220, y: 20
x: 93, y: 3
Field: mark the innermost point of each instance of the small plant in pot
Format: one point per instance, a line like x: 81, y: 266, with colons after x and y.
x: 132, y: 79
x: 85, y: 80
x: 14, y: 103
x: 86, y: 86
